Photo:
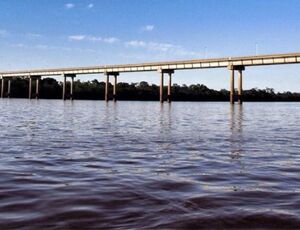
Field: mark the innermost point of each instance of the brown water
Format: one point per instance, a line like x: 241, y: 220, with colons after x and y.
x: 140, y: 165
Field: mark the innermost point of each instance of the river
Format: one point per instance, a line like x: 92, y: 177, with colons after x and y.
x: 142, y: 165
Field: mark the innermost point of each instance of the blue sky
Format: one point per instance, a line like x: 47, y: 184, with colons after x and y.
x: 59, y: 33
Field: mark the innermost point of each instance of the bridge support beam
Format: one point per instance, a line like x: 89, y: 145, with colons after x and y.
x: 2, y: 87
x: 106, y: 96
x: 8, y: 88
x: 107, y: 75
x: 115, y: 88
x: 72, y: 88
x: 240, y: 87
x: 30, y: 87
x: 232, y: 92
x: 37, y: 80
x: 169, y: 88
x: 37, y: 88
x: 64, y: 93
x: 240, y: 70
x: 161, y: 87
x: 7, y: 94
x: 64, y: 87
x: 170, y: 72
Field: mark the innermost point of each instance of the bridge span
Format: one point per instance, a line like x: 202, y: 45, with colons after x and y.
x: 231, y: 63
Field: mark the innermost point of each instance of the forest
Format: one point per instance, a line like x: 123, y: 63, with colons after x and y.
x: 94, y: 90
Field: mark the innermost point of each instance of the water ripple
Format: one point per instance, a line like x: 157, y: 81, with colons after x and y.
x: 140, y: 165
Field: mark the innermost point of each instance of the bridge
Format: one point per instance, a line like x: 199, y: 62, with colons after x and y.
x: 231, y: 63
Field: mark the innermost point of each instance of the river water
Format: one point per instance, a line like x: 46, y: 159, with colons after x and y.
x: 140, y: 165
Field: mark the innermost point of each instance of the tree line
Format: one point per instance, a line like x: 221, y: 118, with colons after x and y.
x: 94, y: 90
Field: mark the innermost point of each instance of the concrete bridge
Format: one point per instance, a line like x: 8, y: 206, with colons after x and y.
x: 231, y: 63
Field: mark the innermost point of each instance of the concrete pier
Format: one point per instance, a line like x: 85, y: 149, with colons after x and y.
x: 240, y: 86
x: 30, y: 88
x: 3, y: 82
x: 2, y: 87
x: 169, y: 88
x: 72, y: 88
x: 115, y: 88
x: 232, y: 93
x: 240, y: 70
x: 170, y: 72
x: 8, y: 88
x: 64, y: 87
x: 37, y: 83
x: 64, y: 93
x: 37, y: 88
x: 107, y: 95
x: 161, y: 87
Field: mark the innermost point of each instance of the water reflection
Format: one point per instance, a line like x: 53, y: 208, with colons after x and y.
x: 236, y: 138
x: 132, y: 165
x: 166, y: 117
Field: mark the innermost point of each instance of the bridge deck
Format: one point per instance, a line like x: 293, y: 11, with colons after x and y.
x: 275, y: 59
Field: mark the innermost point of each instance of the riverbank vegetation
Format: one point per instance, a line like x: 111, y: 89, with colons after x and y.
x: 94, y: 90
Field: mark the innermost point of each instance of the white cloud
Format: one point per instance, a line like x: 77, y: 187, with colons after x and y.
x: 136, y: 43
x: 152, y: 46
x: 148, y: 28
x: 82, y: 37
x: 111, y: 40
x: 77, y: 37
x: 157, y: 47
x: 3, y: 33
x: 49, y: 47
x: 90, y: 6
x: 165, y: 48
x: 90, y: 38
x: 69, y: 5
x: 94, y: 38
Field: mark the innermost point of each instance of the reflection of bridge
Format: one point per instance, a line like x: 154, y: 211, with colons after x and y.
x: 232, y: 63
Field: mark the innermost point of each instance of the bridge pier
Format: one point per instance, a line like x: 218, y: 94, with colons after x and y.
x: 8, y: 88
x: 115, y: 88
x: 232, y: 90
x: 64, y: 93
x: 169, y: 88
x: 64, y: 87
x: 170, y: 72
x: 161, y: 88
x: 37, y: 80
x: 2, y: 87
x: 240, y: 70
x: 106, y: 96
x: 37, y: 88
x: 107, y: 75
x: 72, y: 88
x: 240, y: 86
x: 30, y: 87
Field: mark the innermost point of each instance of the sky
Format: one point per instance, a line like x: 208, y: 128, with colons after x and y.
x: 58, y: 33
